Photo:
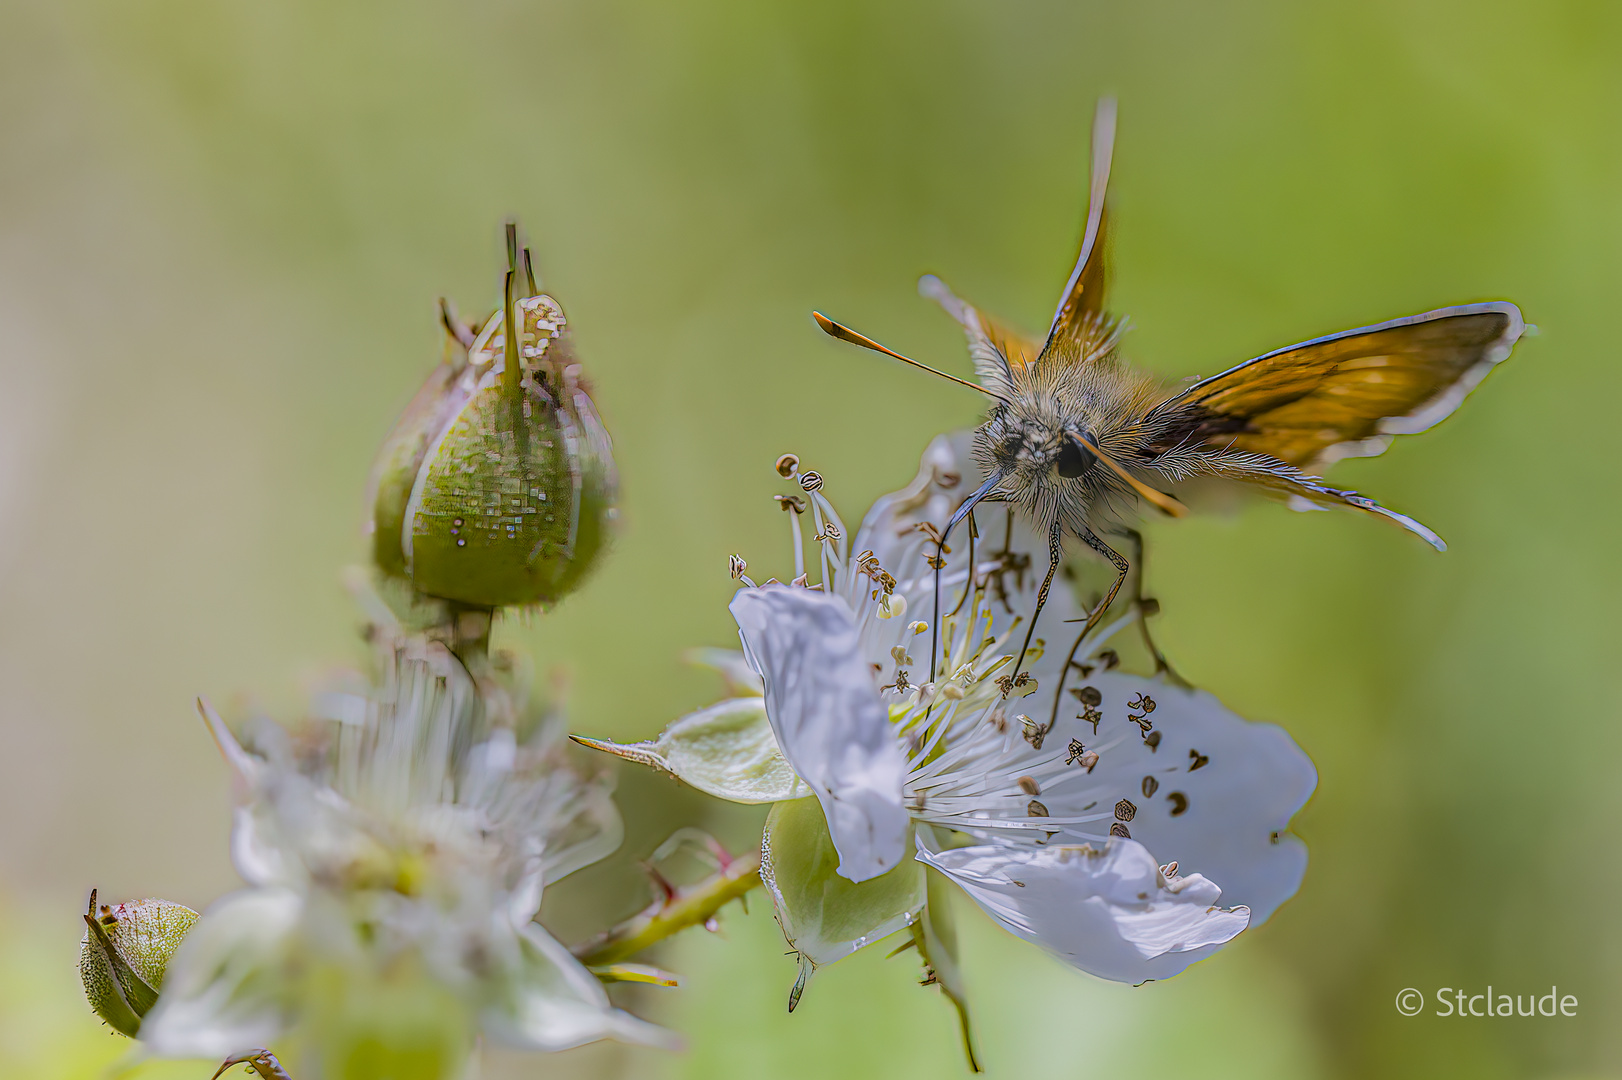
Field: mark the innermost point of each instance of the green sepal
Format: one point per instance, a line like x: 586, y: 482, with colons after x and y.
x: 935, y: 933
x: 137, y: 994
x: 107, y: 993
x: 727, y: 750
x: 634, y: 973
x: 826, y: 917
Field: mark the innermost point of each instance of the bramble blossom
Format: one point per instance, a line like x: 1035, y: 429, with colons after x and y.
x: 1131, y: 830
x: 396, y: 847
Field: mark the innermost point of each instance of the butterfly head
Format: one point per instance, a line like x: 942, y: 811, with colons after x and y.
x: 1037, y: 450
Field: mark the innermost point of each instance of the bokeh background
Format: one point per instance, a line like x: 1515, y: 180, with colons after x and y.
x: 223, y: 227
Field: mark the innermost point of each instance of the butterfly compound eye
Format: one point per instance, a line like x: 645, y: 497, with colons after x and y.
x: 1074, y: 459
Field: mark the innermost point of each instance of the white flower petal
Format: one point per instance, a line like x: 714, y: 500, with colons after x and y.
x: 1214, y: 792
x: 830, y: 725
x: 257, y: 851
x: 1109, y: 912
x: 591, y: 830
x: 222, y: 992
x: 741, y: 679
x: 550, y: 1002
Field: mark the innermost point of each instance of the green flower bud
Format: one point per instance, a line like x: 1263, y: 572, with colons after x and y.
x: 126, y: 949
x: 497, y: 485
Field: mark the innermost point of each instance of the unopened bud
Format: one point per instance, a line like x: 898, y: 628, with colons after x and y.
x: 126, y: 950
x: 497, y: 485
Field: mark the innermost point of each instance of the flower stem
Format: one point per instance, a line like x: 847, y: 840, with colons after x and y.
x: 693, y: 905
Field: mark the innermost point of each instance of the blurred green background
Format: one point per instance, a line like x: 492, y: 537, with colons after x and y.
x: 223, y: 227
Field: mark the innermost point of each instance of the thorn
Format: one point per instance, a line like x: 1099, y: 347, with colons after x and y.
x: 663, y: 891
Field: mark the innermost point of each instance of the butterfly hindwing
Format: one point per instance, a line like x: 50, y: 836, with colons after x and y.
x: 1343, y: 395
x: 998, y: 350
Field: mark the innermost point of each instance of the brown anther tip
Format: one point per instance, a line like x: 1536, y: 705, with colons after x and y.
x: 786, y: 465
x: 790, y: 502
x: 1028, y: 785
x: 811, y: 481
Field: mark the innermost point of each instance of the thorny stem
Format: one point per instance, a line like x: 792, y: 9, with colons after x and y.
x: 692, y: 905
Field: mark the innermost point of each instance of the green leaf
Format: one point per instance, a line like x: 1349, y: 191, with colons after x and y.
x: 826, y: 917
x: 727, y: 750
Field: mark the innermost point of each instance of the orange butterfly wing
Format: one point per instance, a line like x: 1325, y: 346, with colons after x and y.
x: 1344, y: 395
x: 1080, y: 313
x: 1000, y: 351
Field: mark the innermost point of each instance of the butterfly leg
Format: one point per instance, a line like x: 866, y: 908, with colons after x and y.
x: 1091, y: 539
x: 1055, y: 556
x: 1148, y: 606
x: 1093, y: 617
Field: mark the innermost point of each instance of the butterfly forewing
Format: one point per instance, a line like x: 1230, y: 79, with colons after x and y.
x: 998, y: 350
x: 1081, y: 304
x: 1340, y: 396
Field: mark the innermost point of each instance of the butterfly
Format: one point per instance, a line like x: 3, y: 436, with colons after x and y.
x: 1077, y: 439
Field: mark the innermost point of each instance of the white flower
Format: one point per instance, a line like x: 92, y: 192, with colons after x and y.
x: 396, y: 848
x: 1044, y: 814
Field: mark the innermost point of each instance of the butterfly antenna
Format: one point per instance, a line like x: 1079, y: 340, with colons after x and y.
x: 845, y: 333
